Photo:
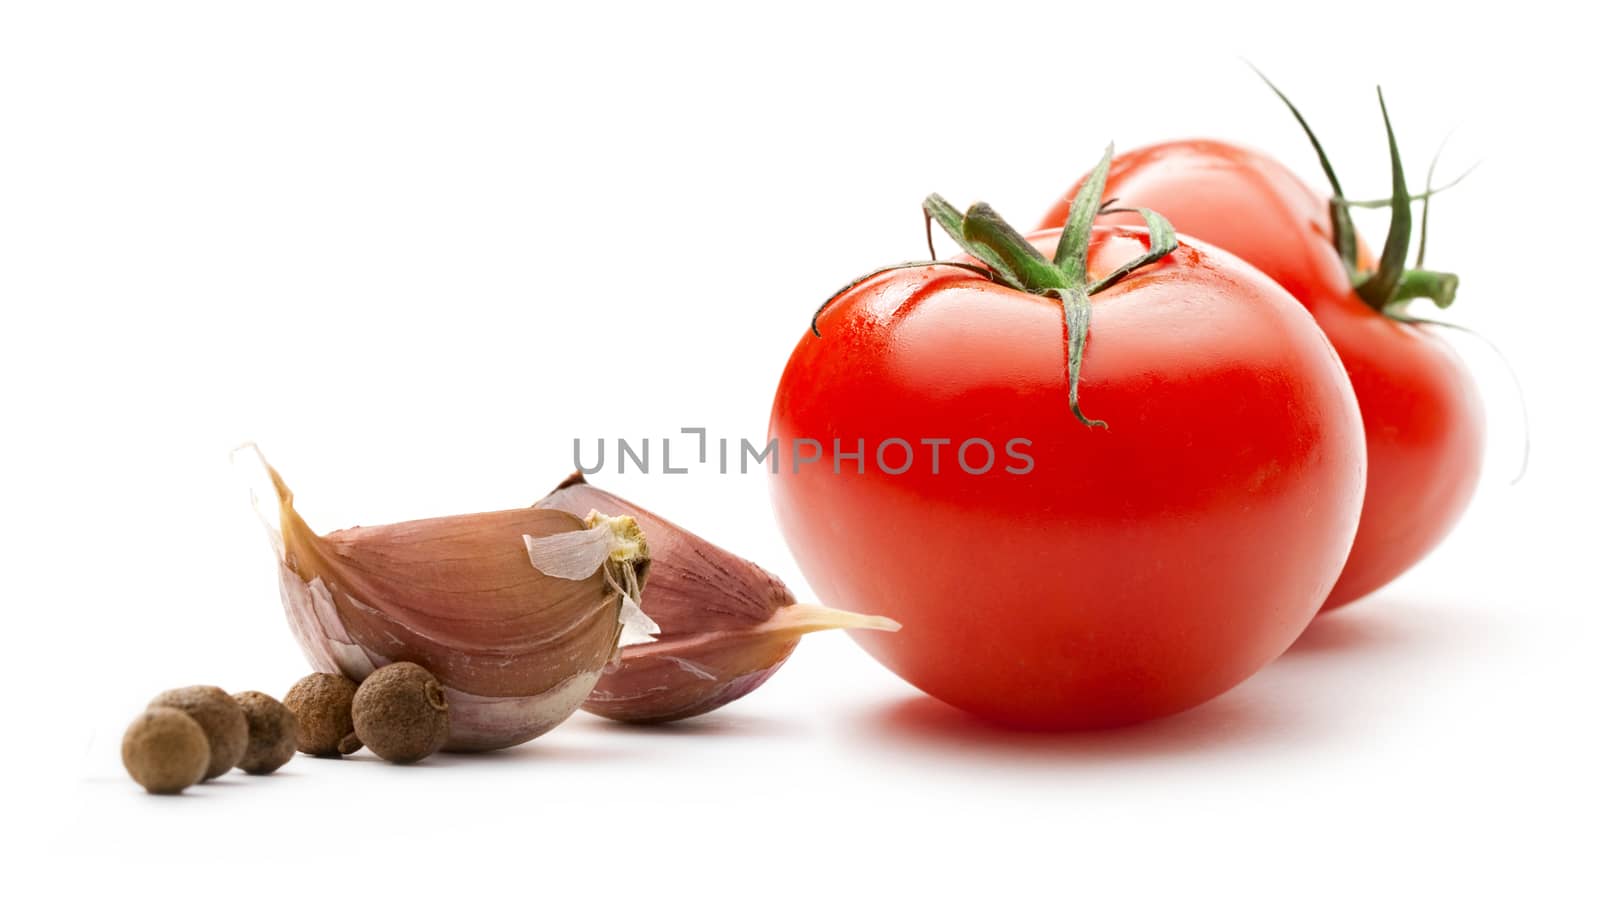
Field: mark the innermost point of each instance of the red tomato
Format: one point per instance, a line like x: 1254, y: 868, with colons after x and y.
x: 1424, y: 420
x: 1132, y: 571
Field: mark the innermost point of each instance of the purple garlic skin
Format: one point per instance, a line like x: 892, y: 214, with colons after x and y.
x: 726, y: 624
x: 515, y: 647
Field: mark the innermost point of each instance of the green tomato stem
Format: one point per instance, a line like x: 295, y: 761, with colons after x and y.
x: 1015, y: 262
x: 1438, y: 287
x: 1387, y: 289
x: 1379, y: 290
x: 1008, y: 258
x: 1344, y: 229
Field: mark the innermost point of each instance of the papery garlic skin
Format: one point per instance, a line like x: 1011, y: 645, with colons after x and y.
x: 317, y: 627
x: 517, y: 650
x: 477, y: 722
x: 726, y: 625
x: 681, y: 676
x: 482, y: 723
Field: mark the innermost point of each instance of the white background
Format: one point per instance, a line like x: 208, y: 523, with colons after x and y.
x: 413, y: 249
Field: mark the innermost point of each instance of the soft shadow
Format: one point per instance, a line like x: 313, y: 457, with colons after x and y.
x: 282, y: 773
x: 212, y: 788
x: 533, y: 750
x: 1345, y: 630
x: 1384, y: 624
x: 231, y: 778
x: 1319, y: 686
x: 197, y: 791
x: 926, y: 723
x: 716, y: 723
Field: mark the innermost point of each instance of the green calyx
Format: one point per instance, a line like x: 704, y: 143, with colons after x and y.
x: 1018, y: 264
x: 1009, y: 259
x: 1392, y: 286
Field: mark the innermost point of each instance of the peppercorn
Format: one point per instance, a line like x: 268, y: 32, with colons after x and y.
x: 321, y: 705
x: 219, y: 716
x: 273, y: 730
x: 165, y: 750
x: 401, y: 714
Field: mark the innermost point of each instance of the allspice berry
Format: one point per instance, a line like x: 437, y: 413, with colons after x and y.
x: 401, y: 713
x: 165, y: 751
x: 273, y: 732
x: 219, y: 716
x: 321, y: 705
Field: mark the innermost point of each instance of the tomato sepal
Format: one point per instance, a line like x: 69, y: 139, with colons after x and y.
x: 1391, y: 287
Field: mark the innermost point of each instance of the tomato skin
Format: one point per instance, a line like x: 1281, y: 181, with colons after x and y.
x: 1136, y: 570
x: 1423, y: 415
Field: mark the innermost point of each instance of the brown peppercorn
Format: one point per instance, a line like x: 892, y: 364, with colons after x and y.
x: 321, y: 704
x: 165, y: 751
x: 401, y: 713
x: 219, y: 716
x: 273, y: 731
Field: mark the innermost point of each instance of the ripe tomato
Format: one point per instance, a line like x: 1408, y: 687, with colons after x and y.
x: 1424, y: 420
x: 1092, y: 576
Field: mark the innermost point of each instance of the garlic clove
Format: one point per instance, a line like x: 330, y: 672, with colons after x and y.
x: 675, y: 678
x: 516, y: 649
x: 725, y: 624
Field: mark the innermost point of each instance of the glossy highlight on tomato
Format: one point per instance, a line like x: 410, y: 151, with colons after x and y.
x: 1134, y: 570
x: 1422, y: 413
